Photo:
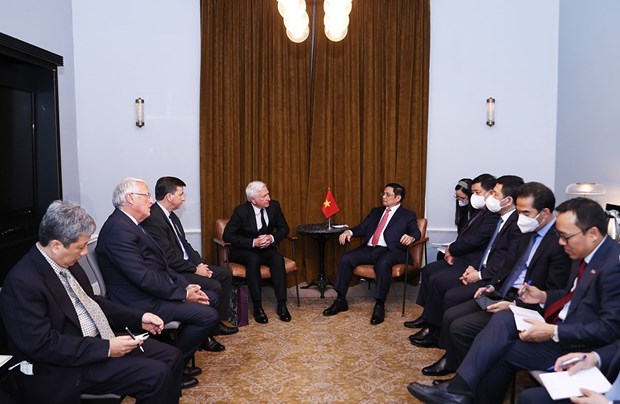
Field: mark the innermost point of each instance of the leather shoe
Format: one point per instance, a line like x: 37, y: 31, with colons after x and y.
x: 378, y: 314
x: 192, y: 371
x: 336, y: 307
x: 437, y: 369
x: 437, y: 382
x: 283, y: 312
x: 260, y: 316
x: 425, y: 338
x: 212, y: 345
x: 226, y: 329
x: 188, y: 381
x: 417, y: 323
x: 436, y: 394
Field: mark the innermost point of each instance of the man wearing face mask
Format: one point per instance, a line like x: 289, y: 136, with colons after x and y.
x: 506, y: 232
x: 538, y: 259
x: 469, y: 245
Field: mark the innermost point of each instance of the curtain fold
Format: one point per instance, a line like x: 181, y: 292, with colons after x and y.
x: 359, y: 122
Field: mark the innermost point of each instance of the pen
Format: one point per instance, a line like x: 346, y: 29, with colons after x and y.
x: 134, y: 337
x: 528, y: 283
x: 568, y: 362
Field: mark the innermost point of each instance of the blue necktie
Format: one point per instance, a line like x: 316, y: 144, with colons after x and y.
x: 614, y: 392
x: 519, y: 268
x: 483, y: 261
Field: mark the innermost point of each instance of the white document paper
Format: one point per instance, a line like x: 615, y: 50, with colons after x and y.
x: 4, y: 359
x: 561, y: 385
x: 520, y: 313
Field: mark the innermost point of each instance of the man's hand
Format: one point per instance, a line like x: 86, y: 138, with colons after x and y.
x: 194, y: 294
x: 406, y: 239
x: 120, y: 346
x: 502, y: 305
x: 590, y: 361
x: 448, y: 257
x: 532, y: 295
x: 152, y: 323
x: 538, y: 332
x: 344, y: 237
x: 485, y: 289
x: 203, y: 270
x: 470, y: 276
x: 590, y: 397
x: 262, y: 241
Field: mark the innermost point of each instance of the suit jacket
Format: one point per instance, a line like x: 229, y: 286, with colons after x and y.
x: 159, y: 228
x: 610, y: 360
x: 549, y: 267
x: 135, y: 269
x: 593, y: 318
x: 44, y: 329
x: 241, y: 229
x: 404, y: 221
x: 508, y: 237
x: 472, y: 241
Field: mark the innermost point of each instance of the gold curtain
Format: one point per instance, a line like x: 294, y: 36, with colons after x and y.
x: 350, y: 115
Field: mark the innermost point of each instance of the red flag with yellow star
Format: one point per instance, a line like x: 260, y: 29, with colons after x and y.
x: 330, y: 207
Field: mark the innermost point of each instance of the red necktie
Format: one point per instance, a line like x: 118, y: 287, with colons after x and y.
x: 552, y: 312
x: 379, y: 230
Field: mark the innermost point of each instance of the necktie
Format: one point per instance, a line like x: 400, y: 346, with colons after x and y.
x: 91, y: 307
x: 263, y: 219
x: 379, y: 230
x: 177, y: 233
x: 519, y: 268
x: 552, y: 312
x: 483, y: 262
x: 471, y: 221
x: 614, y: 392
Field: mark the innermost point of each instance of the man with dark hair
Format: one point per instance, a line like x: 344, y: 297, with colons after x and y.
x: 136, y: 273
x: 584, y: 315
x: 62, y: 336
x: 165, y: 227
x: 538, y: 259
x: 387, y: 231
x: 501, y: 200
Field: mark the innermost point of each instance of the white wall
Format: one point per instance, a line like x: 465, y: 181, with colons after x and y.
x: 130, y: 49
x: 489, y: 48
x: 48, y: 25
x: 589, y: 84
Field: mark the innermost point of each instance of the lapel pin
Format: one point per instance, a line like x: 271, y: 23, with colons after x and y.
x: 593, y: 271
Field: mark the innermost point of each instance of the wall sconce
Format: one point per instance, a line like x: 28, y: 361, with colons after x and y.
x: 297, y: 22
x: 586, y: 189
x: 139, y: 112
x: 490, y: 111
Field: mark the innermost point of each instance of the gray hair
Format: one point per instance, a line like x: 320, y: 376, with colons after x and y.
x: 66, y: 222
x: 253, y: 188
x: 126, y: 186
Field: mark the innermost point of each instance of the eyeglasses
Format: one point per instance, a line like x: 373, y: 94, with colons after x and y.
x: 566, y: 238
x: 147, y: 195
x: 389, y: 195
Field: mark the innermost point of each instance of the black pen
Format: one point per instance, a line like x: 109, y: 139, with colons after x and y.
x: 134, y: 338
x: 570, y: 361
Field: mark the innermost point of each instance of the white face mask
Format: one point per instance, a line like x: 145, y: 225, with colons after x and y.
x: 527, y: 224
x: 463, y: 203
x: 477, y: 201
x: 493, y: 204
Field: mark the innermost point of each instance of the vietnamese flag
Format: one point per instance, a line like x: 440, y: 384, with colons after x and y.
x: 330, y: 207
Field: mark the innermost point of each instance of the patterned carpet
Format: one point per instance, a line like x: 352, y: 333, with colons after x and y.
x: 315, y: 359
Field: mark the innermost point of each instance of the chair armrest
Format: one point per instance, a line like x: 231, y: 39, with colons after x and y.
x: 420, y: 241
x: 220, y: 242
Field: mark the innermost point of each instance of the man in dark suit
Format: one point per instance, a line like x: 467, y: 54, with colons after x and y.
x: 63, y: 335
x: 386, y: 232
x: 255, y: 229
x: 165, y: 227
x: 606, y: 358
x: 539, y: 259
x: 584, y: 315
x: 501, y: 200
x: 136, y: 272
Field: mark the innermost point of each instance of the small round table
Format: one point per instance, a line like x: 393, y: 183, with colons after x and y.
x: 320, y: 232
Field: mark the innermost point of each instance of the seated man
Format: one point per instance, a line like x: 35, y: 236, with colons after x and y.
x: 582, y: 316
x: 165, y: 227
x: 255, y: 229
x: 136, y: 272
x: 541, y: 260
x: 66, y: 334
x: 387, y: 231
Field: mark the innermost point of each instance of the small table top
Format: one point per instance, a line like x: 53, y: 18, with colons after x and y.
x: 321, y: 228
